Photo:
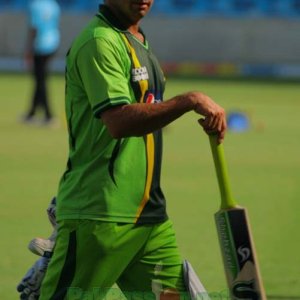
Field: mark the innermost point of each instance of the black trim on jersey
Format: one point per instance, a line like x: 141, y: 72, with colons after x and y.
x: 72, y: 138
x: 69, y: 168
x: 99, y: 108
x: 112, y: 160
x: 103, y: 103
x: 68, y: 270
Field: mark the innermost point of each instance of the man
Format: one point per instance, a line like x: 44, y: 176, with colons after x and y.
x: 43, y: 41
x: 111, y: 214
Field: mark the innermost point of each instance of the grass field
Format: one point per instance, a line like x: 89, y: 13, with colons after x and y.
x: 264, y: 166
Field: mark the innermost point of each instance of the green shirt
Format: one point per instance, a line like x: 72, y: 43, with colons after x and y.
x: 109, y: 179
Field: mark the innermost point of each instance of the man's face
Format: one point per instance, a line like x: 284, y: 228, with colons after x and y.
x: 131, y: 11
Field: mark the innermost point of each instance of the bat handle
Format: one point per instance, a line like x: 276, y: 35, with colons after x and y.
x: 227, y: 200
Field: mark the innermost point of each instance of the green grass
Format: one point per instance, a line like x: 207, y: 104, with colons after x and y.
x: 263, y: 163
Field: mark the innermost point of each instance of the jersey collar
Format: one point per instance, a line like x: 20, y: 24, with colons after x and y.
x: 108, y: 16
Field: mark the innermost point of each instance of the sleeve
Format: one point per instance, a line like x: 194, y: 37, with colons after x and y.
x: 103, y: 72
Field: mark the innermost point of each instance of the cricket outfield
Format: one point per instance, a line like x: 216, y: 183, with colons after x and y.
x: 263, y: 162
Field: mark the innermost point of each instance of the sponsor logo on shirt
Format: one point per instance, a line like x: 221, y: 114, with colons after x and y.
x: 151, y: 99
x: 139, y: 74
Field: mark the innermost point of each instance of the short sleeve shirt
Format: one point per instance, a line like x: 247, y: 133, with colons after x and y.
x: 109, y: 179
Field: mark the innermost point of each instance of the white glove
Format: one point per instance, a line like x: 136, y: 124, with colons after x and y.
x: 41, y: 246
x: 29, y: 287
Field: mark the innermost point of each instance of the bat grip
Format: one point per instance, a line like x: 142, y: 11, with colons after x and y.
x: 227, y: 200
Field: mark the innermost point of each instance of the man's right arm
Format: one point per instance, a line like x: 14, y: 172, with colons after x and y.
x: 139, y: 119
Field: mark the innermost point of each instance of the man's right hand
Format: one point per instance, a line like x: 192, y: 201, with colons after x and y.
x: 214, y: 121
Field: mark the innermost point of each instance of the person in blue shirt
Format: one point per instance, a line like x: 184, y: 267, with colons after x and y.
x: 43, y: 42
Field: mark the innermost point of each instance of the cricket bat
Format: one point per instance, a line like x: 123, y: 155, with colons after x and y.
x: 235, y: 237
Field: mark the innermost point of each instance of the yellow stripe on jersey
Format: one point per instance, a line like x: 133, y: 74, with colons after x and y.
x: 149, y: 137
x: 142, y: 83
x: 150, y: 168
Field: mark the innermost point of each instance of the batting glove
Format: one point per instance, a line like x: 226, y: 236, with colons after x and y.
x: 29, y: 287
x: 51, y: 212
x: 44, y: 247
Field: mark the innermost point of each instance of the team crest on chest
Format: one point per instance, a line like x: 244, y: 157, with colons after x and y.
x: 139, y: 74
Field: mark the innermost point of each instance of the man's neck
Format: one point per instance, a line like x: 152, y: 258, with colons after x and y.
x: 134, y: 30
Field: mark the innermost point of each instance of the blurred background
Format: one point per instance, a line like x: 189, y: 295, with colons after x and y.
x: 245, y: 54
x: 257, y: 37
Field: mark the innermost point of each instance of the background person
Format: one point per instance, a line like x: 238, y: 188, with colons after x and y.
x: 42, y: 43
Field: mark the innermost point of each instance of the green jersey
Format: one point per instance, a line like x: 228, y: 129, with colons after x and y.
x: 108, y: 179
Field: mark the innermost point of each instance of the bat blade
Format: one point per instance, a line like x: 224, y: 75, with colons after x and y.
x: 238, y: 253
x: 235, y: 237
